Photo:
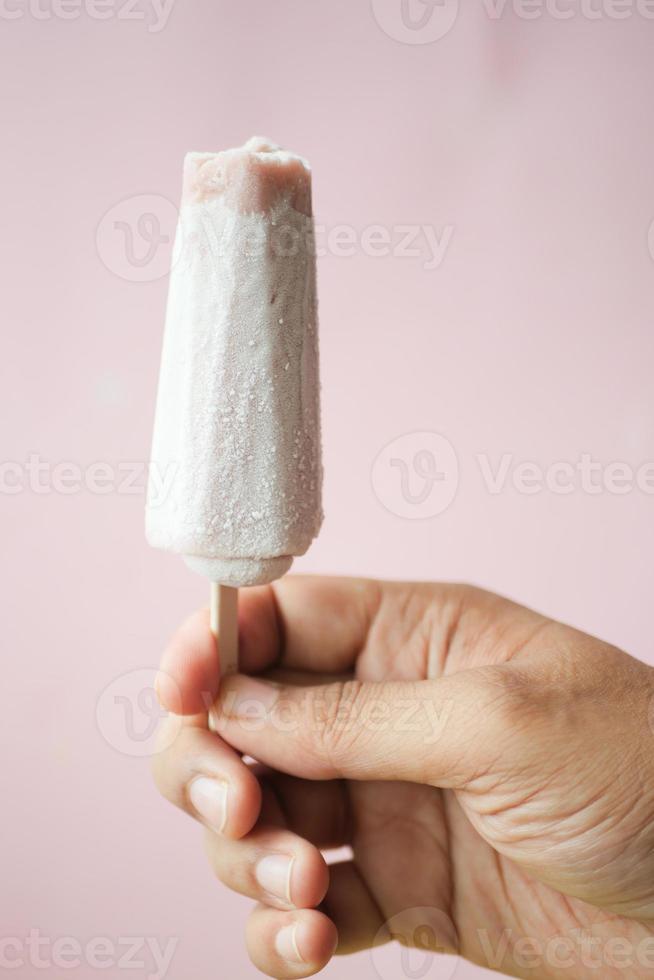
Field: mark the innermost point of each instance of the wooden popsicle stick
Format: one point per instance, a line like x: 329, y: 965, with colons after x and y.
x: 224, y: 625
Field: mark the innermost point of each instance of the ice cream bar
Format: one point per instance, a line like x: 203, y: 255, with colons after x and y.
x: 237, y: 427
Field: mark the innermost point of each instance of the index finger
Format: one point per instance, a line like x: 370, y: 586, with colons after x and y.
x: 310, y: 623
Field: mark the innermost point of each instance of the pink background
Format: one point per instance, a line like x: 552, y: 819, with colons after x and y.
x: 533, y: 141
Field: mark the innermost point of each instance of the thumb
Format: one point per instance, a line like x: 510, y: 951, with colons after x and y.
x: 435, y: 731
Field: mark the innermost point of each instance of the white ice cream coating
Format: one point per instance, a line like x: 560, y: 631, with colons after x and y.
x: 238, y: 414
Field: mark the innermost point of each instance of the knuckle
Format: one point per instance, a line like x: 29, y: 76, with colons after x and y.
x: 155, y: 770
x: 213, y: 849
x: 160, y: 761
x: 505, y: 696
x: 165, y: 761
x: 333, y: 712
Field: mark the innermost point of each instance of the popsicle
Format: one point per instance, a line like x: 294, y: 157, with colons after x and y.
x: 237, y: 419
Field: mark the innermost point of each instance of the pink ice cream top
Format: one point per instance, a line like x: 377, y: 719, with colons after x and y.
x: 251, y: 178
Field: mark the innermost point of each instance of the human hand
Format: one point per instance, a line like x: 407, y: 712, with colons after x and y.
x: 481, y: 761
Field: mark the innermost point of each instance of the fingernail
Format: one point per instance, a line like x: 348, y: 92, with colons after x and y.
x: 273, y: 873
x: 241, y: 697
x: 286, y: 944
x: 209, y: 797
